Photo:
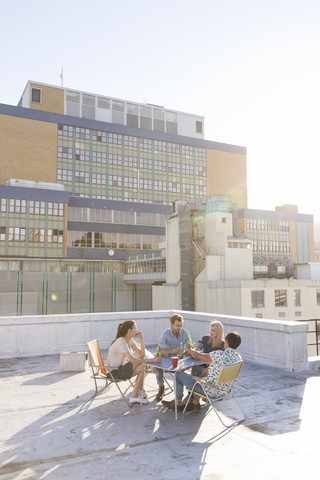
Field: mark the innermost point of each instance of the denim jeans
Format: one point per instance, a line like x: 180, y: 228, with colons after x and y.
x: 159, y: 375
x: 183, y: 378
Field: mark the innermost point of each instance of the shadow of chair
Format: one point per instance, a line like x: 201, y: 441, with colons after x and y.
x: 100, y: 371
x: 221, y: 390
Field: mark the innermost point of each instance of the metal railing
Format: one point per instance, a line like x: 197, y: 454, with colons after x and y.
x: 313, y: 336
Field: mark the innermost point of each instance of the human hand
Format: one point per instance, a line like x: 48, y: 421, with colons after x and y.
x: 188, y: 347
x: 157, y: 359
x: 139, y: 334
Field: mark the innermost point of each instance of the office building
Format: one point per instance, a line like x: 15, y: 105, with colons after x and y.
x: 87, y: 183
x: 281, y: 239
x: 210, y: 263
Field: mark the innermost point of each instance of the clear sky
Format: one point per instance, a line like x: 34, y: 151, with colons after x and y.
x: 251, y: 67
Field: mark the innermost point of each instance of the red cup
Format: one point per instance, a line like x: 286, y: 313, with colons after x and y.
x: 174, y: 361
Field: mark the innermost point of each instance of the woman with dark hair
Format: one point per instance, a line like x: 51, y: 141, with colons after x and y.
x: 125, y: 348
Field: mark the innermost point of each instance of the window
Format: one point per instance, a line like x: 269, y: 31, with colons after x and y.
x: 2, y: 234
x: 257, y: 299
x: 280, y: 298
x: 199, y: 127
x: 36, y: 95
x: 260, y: 268
x: 297, y: 299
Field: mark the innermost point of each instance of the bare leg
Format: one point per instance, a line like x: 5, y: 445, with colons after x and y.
x: 138, y: 370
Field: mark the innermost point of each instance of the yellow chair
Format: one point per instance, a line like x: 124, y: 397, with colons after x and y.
x: 100, y: 371
x: 228, y: 375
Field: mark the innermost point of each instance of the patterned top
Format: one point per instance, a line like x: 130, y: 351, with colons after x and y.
x: 169, y: 341
x: 220, y: 359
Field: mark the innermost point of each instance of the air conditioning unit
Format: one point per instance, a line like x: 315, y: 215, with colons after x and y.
x: 18, y: 182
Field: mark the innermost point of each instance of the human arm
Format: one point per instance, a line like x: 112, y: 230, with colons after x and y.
x: 137, y: 360
x: 170, y: 351
x: 198, y: 355
x: 164, y: 344
x: 140, y: 351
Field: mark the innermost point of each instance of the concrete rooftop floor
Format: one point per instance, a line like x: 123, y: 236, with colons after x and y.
x: 46, y: 433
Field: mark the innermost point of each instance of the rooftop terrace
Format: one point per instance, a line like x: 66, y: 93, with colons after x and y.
x: 47, y: 433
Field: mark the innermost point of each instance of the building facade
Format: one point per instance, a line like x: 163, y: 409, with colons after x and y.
x: 86, y: 185
x: 281, y: 239
x: 210, y: 263
x: 44, y: 141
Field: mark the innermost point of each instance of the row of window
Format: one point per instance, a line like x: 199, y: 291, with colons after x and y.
x: 34, y: 207
x: 129, y: 182
x: 272, y: 247
x: 116, y: 216
x: 130, y: 161
x: 18, y: 234
x: 144, y: 143
x: 133, y: 241
x: 270, y: 225
x: 150, y: 266
x: 280, y: 298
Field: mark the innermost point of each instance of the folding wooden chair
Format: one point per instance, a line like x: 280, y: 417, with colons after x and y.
x: 228, y: 375
x: 100, y: 371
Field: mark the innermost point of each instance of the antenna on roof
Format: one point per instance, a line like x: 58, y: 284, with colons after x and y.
x: 61, y: 77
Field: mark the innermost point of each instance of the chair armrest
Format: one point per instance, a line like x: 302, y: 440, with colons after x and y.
x: 102, y: 366
x: 210, y: 385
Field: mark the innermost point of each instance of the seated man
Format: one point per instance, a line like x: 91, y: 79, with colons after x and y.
x: 217, y: 360
x: 170, y: 345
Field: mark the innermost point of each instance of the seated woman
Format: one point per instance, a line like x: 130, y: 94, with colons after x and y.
x: 214, y: 341
x: 210, y: 343
x: 124, y: 348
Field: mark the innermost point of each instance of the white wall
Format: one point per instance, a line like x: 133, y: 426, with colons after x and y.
x: 166, y: 296
x: 173, y: 274
x: 281, y: 344
x: 238, y: 264
x: 212, y: 268
x: 224, y: 300
x: 309, y: 271
x: 308, y: 295
x: 187, y: 125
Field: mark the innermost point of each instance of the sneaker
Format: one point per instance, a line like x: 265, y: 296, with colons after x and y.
x: 143, y: 394
x: 160, y: 393
x: 144, y: 401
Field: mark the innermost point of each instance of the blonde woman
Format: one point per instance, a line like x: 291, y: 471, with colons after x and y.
x: 213, y: 341
x: 125, y: 348
x: 210, y: 343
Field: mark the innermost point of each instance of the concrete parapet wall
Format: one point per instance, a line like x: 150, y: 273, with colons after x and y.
x: 272, y: 342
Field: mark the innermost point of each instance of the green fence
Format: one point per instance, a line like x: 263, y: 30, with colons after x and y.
x: 42, y: 293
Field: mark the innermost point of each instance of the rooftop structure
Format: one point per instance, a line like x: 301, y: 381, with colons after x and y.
x: 76, y: 103
x: 48, y: 432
